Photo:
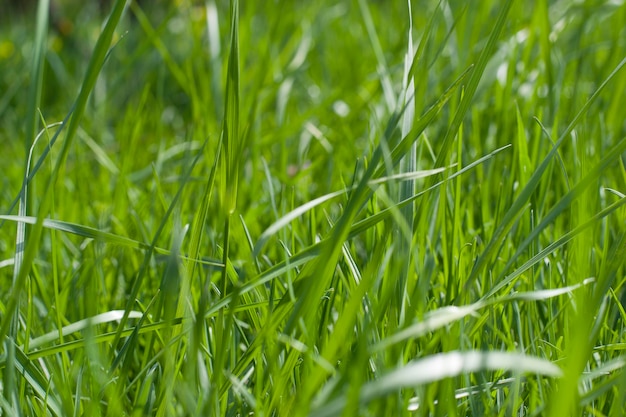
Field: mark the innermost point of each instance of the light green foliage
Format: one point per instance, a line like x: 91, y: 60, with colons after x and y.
x: 291, y: 208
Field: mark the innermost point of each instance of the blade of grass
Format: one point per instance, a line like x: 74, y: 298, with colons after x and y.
x: 408, y: 163
x: 231, y: 155
x: 108, y: 317
x: 438, y: 367
x: 25, y: 201
x: 104, y: 237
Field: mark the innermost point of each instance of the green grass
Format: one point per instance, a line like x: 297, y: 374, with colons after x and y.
x: 313, y: 209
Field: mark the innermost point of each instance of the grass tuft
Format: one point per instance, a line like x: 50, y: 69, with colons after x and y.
x: 312, y: 208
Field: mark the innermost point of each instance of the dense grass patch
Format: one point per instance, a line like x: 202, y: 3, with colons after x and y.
x: 313, y: 208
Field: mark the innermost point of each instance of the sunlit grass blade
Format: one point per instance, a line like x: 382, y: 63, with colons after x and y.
x: 107, y: 317
x: 102, y: 236
x: 446, y: 315
x: 441, y: 366
x: 231, y: 140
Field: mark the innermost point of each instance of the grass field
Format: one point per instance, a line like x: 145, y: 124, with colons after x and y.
x: 325, y: 208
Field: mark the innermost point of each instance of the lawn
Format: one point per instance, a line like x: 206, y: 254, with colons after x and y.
x: 324, y: 208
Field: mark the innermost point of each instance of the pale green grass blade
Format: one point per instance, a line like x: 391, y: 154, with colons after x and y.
x: 232, y: 146
x: 139, y: 329
x: 291, y: 216
x: 446, y: 315
x: 408, y: 163
x: 108, y: 317
x: 405, y: 144
x: 105, y: 237
x: 438, y: 367
x: 108, y: 337
x: 432, y: 321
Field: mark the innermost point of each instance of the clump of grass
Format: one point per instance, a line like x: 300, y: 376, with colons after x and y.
x: 315, y: 209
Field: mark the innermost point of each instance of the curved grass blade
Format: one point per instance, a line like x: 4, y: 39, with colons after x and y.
x: 108, y: 317
x: 449, y: 314
x: 101, y: 236
x: 438, y: 367
x: 299, y: 211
